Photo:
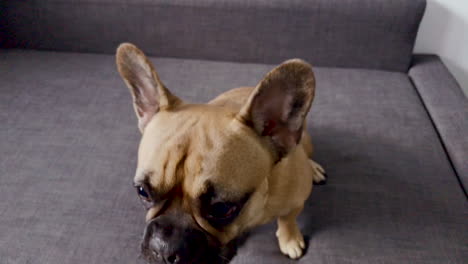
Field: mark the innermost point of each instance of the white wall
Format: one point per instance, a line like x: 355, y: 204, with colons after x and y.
x: 444, y: 31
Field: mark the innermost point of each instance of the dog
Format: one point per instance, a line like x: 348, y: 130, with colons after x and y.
x: 207, y: 173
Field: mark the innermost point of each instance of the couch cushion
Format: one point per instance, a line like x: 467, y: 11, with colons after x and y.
x: 69, y: 141
x: 357, y: 33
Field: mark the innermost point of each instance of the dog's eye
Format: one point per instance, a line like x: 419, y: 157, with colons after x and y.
x: 145, y: 198
x: 142, y: 193
x: 222, y: 211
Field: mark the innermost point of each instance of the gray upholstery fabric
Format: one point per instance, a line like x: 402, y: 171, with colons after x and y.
x: 448, y: 107
x: 69, y: 141
x: 3, y: 24
x: 358, y: 33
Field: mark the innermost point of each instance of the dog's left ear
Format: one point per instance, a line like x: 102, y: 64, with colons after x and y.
x: 148, y: 91
x: 279, y: 104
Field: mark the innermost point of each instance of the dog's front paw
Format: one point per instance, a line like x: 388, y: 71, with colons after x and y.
x: 291, y: 245
x: 319, y: 176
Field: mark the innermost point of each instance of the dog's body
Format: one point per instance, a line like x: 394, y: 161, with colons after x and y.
x: 209, y: 172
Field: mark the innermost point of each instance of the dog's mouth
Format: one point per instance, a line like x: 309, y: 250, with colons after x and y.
x: 222, y: 255
x: 194, y: 252
x: 165, y: 241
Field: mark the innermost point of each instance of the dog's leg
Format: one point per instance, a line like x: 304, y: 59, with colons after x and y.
x: 290, y: 239
x: 319, y: 176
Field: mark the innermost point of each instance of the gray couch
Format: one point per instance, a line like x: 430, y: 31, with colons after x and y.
x: 390, y: 127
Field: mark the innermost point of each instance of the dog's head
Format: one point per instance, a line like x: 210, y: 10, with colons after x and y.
x: 203, y: 170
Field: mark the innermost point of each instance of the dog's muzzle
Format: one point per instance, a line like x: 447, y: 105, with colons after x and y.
x: 174, y: 240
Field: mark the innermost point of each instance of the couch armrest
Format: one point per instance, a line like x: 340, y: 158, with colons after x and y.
x: 447, y: 107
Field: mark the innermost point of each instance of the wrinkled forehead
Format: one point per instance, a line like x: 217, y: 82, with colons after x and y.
x: 174, y: 146
x: 190, y: 151
x: 165, y: 147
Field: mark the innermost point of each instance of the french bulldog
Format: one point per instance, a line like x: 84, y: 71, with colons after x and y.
x: 207, y: 173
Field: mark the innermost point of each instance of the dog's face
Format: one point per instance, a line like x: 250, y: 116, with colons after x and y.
x: 192, y: 176
x: 203, y: 170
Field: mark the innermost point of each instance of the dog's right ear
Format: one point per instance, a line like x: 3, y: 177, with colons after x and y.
x: 277, y: 107
x: 149, y: 93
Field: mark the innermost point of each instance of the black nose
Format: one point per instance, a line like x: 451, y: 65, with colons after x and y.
x: 171, y: 241
x: 163, y: 253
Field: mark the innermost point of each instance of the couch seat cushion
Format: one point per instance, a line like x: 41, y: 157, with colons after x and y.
x: 68, y: 154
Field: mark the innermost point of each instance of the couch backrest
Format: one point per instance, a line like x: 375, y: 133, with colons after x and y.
x: 377, y: 34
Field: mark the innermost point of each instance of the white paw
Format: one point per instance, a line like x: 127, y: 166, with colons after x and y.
x: 292, y: 247
x: 319, y: 173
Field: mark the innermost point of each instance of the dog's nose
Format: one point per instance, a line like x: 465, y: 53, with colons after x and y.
x: 164, y: 253
x: 167, y: 241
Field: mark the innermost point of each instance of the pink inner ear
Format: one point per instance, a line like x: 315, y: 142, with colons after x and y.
x: 268, y: 128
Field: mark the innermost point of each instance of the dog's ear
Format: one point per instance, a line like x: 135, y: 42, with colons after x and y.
x: 149, y: 93
x: 279, y: 104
